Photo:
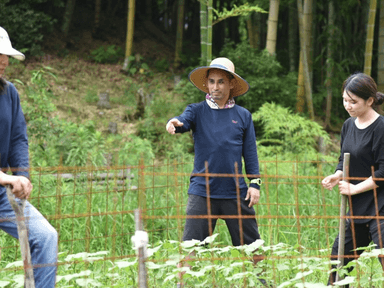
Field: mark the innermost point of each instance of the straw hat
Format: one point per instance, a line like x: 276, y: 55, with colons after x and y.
x: 198, y: 76
x: 6, y: 46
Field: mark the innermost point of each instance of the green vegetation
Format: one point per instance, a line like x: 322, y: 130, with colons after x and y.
x: 26, y: 24
x: 110, y: 54
x: 95, y: 219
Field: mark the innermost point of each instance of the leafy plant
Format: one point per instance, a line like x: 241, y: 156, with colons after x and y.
x: 136, y: 65
x: 91, y: 96
x: 242, y: 10
x: 26, y: 26
x: 162, y: 65
x: 152, y: 128
x: 38, y: 105
x: 287, y: 133
x: 267, y: 78
x: 110, y: 54
x: 283, y: 266
x: 132, y: 150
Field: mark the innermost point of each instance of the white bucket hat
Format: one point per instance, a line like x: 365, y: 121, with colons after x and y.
x: 198, y: 76
x: 6, y: 46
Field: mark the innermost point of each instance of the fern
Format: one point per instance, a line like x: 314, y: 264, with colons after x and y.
x: 287, y: 132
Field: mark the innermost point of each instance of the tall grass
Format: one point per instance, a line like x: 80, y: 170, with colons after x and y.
x: 297, y: 221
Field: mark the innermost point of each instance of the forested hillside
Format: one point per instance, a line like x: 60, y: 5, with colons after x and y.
x: 86, y: 46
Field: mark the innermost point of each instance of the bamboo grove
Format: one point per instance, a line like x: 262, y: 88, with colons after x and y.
x: 320, y: 41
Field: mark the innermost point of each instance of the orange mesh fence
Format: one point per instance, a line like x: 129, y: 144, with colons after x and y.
x: 92, y: 209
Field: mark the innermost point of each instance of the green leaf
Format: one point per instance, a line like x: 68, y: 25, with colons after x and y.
x: 151, y: 251
x: 195, y: 274
x: 151, y: 265
x: 19, y: 280
x: 72, y: 276
x: 210, y: 239
x: 347, y: 280
x: 125, y: 264
x: 189, y: 243
x: 4, y: 283
x: 15, y: 264
x: 87, y: 282
x: 310, y: 285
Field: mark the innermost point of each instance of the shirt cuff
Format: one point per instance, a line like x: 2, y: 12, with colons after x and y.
x: 253, y: 185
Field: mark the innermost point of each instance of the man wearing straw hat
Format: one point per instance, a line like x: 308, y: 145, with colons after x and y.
x: 14, y: 155
x: 223, y: 134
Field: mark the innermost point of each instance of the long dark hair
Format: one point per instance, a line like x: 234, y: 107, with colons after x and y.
x: 3, y: 83
x: 363, y: 86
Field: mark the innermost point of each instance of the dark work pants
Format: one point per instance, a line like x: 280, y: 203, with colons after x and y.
x: 198, y: 229
x: 364, y: 233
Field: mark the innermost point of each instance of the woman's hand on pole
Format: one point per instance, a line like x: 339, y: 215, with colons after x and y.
x: 332, y: 180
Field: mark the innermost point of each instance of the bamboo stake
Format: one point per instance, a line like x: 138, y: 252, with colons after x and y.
x: 22, y: 231
x: 343, y: 206
x: 141, y: 252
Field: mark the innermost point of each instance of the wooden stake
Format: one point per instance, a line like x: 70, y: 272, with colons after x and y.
x: 22, y: 230
x: 343, y: 206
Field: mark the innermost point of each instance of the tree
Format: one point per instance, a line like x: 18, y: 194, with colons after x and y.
x: 68, y: 16
x: 203, y: 31
x: 370, y: 34
x: 130, y: 29
x: 304, y: 52
x: 179, y: 34
x: 206, y: 23
x: 292, y: 36
x: 97, y: 16
x: 253, y: 30
x: 209, y: 31
x: 272, y: 26
x: 328, y: 83
x: 148, y: 4
x: 303, y: 76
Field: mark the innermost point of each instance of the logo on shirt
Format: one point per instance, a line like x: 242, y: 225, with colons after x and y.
x: 234, y: 121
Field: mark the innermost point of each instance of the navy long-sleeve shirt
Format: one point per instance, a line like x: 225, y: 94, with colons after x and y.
x: 13, y: 134
x: 366, y: 148
x: 221, y: 137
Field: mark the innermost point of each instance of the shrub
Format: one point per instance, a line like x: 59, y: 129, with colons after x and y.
x: 110, y: 54
x: 152, y: 128
x: 287, y: 133
x: 265, y: 75
x: 26, y: 26
x: 136, y: 64
x: 162, y: 65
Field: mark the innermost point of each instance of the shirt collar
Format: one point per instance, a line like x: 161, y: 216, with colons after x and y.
x: 230, y: 103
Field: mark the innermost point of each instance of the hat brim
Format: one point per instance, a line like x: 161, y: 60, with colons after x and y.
x: 13, y: 53
x: 198, y: 77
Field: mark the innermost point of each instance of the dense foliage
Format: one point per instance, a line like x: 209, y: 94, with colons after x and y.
x: 26, y: 24
x: 287, y: 134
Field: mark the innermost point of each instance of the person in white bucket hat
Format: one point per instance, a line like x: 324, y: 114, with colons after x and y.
x: 14, y: 157
x: 223, y: 134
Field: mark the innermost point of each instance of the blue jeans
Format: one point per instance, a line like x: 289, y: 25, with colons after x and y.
x: 42, y: 240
